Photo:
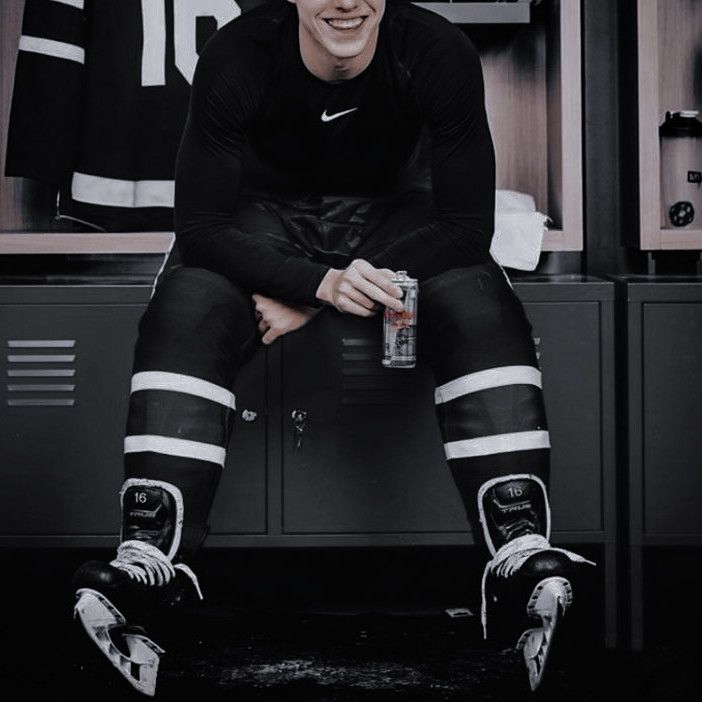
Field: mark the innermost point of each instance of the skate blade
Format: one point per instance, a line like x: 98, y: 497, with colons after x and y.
x: 549, y: 601
x: 100, y: 619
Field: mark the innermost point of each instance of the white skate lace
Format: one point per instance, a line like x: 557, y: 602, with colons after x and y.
x: 510, y: 558
x: 149, y: 565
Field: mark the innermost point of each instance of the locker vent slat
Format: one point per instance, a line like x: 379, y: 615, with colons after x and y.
x: 42, y: 373
x: 28, y: 387
x: 43, y: 402
x: 364, y: 379
x: 18, y: 368
x: 41, y: 343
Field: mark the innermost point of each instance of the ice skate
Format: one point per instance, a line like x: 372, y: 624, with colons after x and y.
x: 528, y: 585
x: 114, y: 599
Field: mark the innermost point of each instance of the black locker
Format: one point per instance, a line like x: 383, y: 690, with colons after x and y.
x: 369, y: 468
x: 661, y: 350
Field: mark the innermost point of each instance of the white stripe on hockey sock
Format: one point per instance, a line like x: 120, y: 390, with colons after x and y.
x: 177, y: 382
x: 113, y: 192
x: 49, y: 47
x: 485, y: 379
x: 498, y: 443
x: 72, y: 3
x: 175, y: 447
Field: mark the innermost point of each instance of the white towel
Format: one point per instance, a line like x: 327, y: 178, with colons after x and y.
x: 519, y: 230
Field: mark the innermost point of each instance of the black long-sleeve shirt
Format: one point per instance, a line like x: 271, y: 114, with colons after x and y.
x: 255, y: 122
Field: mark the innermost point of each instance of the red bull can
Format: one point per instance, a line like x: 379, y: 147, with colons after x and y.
x: 400, y: 328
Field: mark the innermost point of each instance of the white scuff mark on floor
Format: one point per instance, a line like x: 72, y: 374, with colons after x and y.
x: 370, y: 676
x: 455, y: 612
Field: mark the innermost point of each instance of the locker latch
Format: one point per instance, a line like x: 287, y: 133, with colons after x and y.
x: 299, y: 416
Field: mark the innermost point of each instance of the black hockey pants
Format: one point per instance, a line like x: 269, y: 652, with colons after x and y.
x: 199, y: 330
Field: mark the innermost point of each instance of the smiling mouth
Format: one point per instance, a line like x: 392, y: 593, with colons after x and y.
x: 345, y: 24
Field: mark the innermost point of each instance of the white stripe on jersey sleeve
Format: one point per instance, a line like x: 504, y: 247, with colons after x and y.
x: 49, y: 47
x: 122, y: 193
x: 73, y: 3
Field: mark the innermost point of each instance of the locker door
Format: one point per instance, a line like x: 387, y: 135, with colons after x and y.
x: 62, y: 416
x: 62, y: 420
x: 568, y: 344
x: 371, y: 457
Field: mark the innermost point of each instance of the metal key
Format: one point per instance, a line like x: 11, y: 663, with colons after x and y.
x: 299, y: 416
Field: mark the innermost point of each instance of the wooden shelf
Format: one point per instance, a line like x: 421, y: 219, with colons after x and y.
x: 85, y: 242
x: 481, y: 12
x: 673, y: 239
x: 157, y: 242
x: 559, y: 240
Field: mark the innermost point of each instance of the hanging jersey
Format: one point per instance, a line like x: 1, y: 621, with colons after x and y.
x: 100, y: 100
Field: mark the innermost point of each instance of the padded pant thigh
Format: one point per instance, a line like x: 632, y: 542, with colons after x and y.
x: 198, y: 323
x: 470, y: 319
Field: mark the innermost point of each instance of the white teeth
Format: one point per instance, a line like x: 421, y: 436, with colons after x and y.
x: 345, y: 24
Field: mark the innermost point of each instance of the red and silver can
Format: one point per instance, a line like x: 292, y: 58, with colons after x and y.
x: 400, y: 328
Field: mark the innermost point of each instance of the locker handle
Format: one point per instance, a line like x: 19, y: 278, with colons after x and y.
x: 249, y: 415
x: 299, y: 418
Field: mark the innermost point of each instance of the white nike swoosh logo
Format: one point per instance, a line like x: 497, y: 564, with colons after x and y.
x: 329, y: 118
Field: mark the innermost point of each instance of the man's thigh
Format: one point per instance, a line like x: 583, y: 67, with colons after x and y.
x: 469, y: 319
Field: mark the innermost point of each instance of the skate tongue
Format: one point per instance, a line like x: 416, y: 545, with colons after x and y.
x: 514, y: 508
x: 148, y: 516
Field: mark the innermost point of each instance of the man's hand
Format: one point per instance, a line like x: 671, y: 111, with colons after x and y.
x: 360, y: 289
x: 276, y: 318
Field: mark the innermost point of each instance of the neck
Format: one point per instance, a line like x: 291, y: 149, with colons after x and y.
x: 333, y: 69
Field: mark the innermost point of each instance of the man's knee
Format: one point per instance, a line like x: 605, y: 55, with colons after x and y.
x: 187, y: 295
x: 481, y: 291
x: 472, y: 317
x: 196, y: 283
x: 189, y: 288
x: 197, y: 319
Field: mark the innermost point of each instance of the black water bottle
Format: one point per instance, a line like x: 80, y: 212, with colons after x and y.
x: 681, y: 170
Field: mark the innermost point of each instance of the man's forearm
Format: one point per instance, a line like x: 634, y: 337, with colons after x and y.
x: 434, y: 248
x: 250, y: 263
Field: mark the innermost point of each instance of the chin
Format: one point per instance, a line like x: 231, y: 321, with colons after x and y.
x: 345, y: 50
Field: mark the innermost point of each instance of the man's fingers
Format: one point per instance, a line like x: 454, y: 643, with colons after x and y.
x: 382, y: 277
x: 376, y: 283
x: 346, y: 304
x: 375, y: 292
x: 366, y: 285
x: 356, y: 295
x: 269, y: 336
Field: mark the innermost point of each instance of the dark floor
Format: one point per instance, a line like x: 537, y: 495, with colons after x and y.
x: 321, y: 625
